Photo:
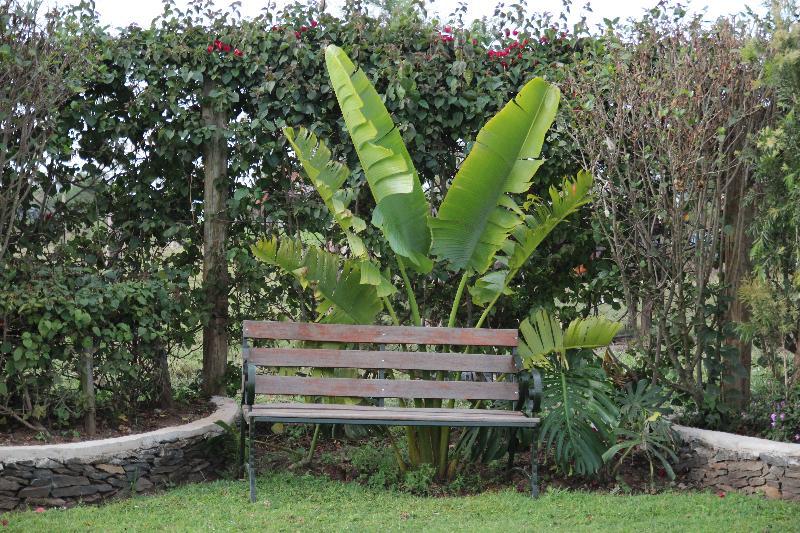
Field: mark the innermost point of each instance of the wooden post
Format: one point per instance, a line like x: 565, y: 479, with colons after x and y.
x: 87, y: 387
x: 215, y: 268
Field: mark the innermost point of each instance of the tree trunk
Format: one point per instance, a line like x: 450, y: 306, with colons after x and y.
x: 163, y: 381
x: 87, y: 388
x: 215, y: 268
x: 736, y: 266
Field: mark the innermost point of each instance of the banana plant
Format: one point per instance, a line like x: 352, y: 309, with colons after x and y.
x: 480, y: 222
x: 580, y: 414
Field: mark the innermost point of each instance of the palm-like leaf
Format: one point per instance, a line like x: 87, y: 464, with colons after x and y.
x: 525, y: 238
x: 401, y: 208
x: 328, y: 176
x: 341, y: 297
x: 477, y: 214
x: 579, y: 415
x: 542, y: 336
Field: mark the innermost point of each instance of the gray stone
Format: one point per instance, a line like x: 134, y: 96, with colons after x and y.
x: 164, y: 469
x: 792, y: 472
x: 111, y: 469
x: 60, y: 481
x: 75, y: 490
x: 8, y: 484
x: 756, y: 481
x: 6, y: 504
x: 747, y: 466
x: 103, y: 487
x: 774, y: 460
x: 41, y: 482
x: 45, y: 502
x: 142, y: 484
x: 43, y: 473
x: 35, y: 492
x: 136, y: 467
x: 47, y: 463
x: 117, y: 482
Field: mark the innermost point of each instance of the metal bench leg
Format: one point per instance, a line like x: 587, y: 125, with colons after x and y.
x: 512, y: 450
x: 251, y: 469
x: 240, y: 470
x: 535, y: 465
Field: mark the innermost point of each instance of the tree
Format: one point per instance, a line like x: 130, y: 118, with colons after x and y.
x: 664, y: 110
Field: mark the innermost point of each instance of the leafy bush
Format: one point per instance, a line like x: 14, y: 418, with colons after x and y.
x: 642, y: 428
x: 376, y: 466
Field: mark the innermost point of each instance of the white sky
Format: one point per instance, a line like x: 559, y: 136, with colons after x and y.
x: 117, y: 13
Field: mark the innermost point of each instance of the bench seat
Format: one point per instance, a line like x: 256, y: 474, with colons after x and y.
x: 366, y: 414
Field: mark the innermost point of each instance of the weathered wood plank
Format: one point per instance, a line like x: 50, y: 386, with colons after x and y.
x: 336, y: 406
x: 379, y: 334
x: 386, y: 388
x: 326, y: 358
x: 396, y: 415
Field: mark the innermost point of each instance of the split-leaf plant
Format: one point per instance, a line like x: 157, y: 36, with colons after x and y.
x: 481, y: 231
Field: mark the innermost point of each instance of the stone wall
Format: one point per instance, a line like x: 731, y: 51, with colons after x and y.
x: 723, y: 461
x: 62, y: 475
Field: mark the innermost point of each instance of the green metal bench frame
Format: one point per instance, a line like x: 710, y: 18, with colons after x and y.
x: 526, y: 393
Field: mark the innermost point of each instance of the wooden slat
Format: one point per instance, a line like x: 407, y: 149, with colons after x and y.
x: 356, y: 413
x: 337, y: 406
x: 324, y: 358
x: 386, y: 388
x: 379, y: 334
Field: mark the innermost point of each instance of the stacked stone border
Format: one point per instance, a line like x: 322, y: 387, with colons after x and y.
x: 62, y: 475
x: 728, y: 462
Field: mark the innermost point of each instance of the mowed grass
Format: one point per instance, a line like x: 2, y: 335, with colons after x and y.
x: 292, y: 503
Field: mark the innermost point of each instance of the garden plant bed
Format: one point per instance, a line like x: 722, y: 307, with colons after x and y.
x: 369, y: 462
x: 141, y: 422
x: 63, y: 475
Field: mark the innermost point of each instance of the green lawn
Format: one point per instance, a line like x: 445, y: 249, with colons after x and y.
x: 290, y: 503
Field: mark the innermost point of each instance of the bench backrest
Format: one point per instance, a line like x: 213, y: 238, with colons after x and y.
x: 379, y: 359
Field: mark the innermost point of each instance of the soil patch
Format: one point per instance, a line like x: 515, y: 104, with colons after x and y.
x: 141, y: 422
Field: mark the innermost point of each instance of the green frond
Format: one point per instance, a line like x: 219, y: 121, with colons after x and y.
x: 401, y: 210
x: 328, y: 176
x: 477, y: 215
x: 341, y: 296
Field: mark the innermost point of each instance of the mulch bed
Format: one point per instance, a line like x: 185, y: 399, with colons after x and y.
x: 140, y: 422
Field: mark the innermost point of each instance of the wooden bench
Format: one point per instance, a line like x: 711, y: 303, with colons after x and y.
x: 525, y: 395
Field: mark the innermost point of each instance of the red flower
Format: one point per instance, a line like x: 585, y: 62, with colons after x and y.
x: 237, y: 52
x: 297, y: 34
x: 39, y: 510
x: 226, y: 48
x: 314, y: 23
x: 544, y: 39
x: 519, y: 55
x: 217, y: 44
x: 474, y: 41
x: 210, y: 48
x: 525, y: 42
x: 303, y: 28
x: 515, y: 32
x: 448, y: 29
x: 508, y: 32
x: 721, y: 494
x: 505, y: 65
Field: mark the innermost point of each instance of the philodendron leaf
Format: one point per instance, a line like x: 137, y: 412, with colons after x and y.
x: 542, y: 336
x: 477, y: 215
x: 401, y: 210
x: 328, y: 176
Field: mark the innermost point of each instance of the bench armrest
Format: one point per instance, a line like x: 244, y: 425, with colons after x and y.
x: 248, y: 384
x: 530, y: 392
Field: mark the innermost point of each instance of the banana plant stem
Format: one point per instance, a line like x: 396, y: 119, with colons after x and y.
x: 390, y: 308
x: 412, y: 301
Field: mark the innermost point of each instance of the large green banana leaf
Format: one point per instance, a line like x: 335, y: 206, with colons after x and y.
x: 542, y: 336
x: 525, y: 238
x: 328, y: 176
x: 477, y: 214
x: 341, y: 297
x: 401, y: 208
